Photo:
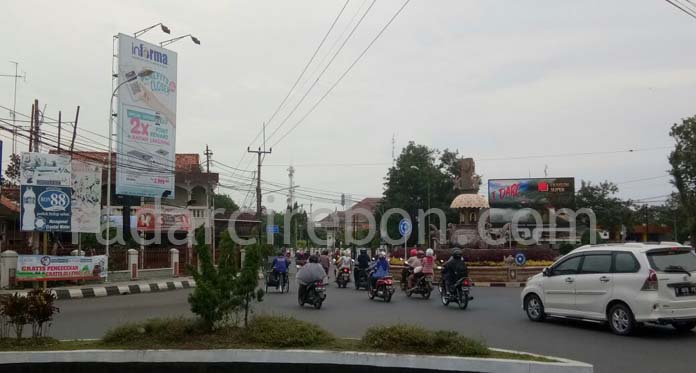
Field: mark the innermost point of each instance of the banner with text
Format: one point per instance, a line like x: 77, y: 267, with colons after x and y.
x: 61, y: 268
x: 86, y: 197
x: 146, y: 128
x: 45, y: 193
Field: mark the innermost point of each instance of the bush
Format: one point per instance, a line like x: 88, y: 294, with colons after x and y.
x: 565, y: 248
x: 16, y: 310
x: 41, y: 311
x: 413, y: 339
x: 162, y: 330
x: 280, y: 331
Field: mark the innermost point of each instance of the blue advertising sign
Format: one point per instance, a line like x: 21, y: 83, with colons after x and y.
x: 272, y: 229
x: 46, y: 208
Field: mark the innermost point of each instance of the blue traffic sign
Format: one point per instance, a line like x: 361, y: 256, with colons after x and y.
x: 520, y: 259
x: 405, y: 227
x: 272, y: 229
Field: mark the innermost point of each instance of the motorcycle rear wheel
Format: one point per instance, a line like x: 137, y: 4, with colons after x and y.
x: 388, y: 297
x: 317, y: 305
x: 426, y: 295
x: 443, y: 296
x: 462, y: 299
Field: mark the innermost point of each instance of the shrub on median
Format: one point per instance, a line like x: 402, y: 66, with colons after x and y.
x: 280, y: 331
x: 413, y: 339
x: 163, y: 330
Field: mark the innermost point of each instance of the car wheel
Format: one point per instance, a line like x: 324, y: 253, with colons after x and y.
x: 621, y: 320
x: 684, y: 327
x: 534, y: 308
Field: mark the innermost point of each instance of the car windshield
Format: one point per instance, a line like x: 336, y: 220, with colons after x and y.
x: 669, y: 260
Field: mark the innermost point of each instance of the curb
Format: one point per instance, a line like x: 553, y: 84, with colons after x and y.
x: 110, y: 290
x: 500, y: 284
x: 341, y: 361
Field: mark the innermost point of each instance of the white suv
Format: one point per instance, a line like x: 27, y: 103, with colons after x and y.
x: 624, y: 284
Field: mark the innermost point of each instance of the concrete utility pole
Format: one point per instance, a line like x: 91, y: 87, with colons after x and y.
x: 259, y: 153
x: 208, y: 153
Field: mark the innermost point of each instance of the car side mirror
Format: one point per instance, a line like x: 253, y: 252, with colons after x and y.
x: 546, y: 272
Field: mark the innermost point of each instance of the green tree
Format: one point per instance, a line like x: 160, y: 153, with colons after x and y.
x: 611, y: 211
x: 214, y: 298
x: 246, y: 286
x: 683, y: 162
x: 224, y: 201
x: 420, y: 175
x: 12, y: 171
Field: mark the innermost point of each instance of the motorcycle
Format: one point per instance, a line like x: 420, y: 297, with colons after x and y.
x: 423, y: 286
x: 459, y: 293
x: 343, y: 278
x: 384, y: 288
x: 361, y: 281
x: 315, y: 295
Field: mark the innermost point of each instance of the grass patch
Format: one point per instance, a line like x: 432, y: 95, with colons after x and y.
x: 281, y: 332
x: 416, y: 340
x: 270, y: 332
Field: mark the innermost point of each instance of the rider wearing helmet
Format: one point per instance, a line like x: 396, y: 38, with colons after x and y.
x: 363, y: 263
x: 280, y: 265
x: 309, y: 274
x: 380, y: 268
x: 411, y: 263
x: 454, y: 269
x: 428, y: 263
x: 417, y: 268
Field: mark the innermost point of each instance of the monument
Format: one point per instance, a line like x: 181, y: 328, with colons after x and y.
x: 469, y: 203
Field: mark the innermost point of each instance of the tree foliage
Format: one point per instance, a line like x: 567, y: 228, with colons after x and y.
x: 420, y: 175
x: 12, y: 171
x: 224, y: 201
x: 683, y: 162
x: 610, y: 210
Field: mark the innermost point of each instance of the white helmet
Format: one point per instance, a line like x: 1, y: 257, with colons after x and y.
x: 347, y: 252
x: 429, y: 252
x: 381, y: 254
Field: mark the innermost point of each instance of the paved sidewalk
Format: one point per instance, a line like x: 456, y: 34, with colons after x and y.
x: 115, y: 288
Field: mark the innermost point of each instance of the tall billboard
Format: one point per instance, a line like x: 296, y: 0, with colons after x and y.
x: 146, y: 126
x: 534, y: 193
x: 45, y: 192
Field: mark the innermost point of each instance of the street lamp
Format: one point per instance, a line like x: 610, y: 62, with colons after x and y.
x: 164, y: 28
x: 170, y: 41
x: 130, y: 77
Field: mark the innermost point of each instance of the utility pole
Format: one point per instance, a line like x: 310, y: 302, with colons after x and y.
x: 14, y: 103
x: 259, y: 153
x: 208, y: 153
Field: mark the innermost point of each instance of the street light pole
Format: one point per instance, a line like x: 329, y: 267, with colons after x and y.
x: 141, y: 74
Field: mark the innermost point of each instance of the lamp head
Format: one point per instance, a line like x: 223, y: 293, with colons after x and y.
x: 165, y: 29
x: 195, y: 40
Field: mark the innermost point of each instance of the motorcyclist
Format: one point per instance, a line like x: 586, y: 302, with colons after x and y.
x: 454, y: 269
x: 325, y: 261
x: 280, y: 265
x: 417, y: 266
x: 363, y: 264
x: 380, y: 268
x: 309, y: 274
x: 409, y: 266
x: 428, y: 263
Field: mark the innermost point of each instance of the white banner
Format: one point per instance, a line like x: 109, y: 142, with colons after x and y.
x: 146, y: 119
x: 86, y: 196
x: 61, y: 268
x: 44, y: 169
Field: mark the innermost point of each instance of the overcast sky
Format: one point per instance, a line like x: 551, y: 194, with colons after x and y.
x: 492, y: 79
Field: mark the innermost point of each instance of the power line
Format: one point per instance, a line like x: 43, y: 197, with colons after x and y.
x: 304, y: 70
x: 345, y: 72
x: 684, y: 8
x: 316, y: 81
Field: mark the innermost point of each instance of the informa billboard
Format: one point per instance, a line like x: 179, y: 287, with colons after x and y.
x: 86, y: 196
x: 45, y: 189
x: 61, y: 268
x: 146, y: 125
x: 534, y: 193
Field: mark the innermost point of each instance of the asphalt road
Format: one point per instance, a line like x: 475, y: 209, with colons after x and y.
x: 495, y: 316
